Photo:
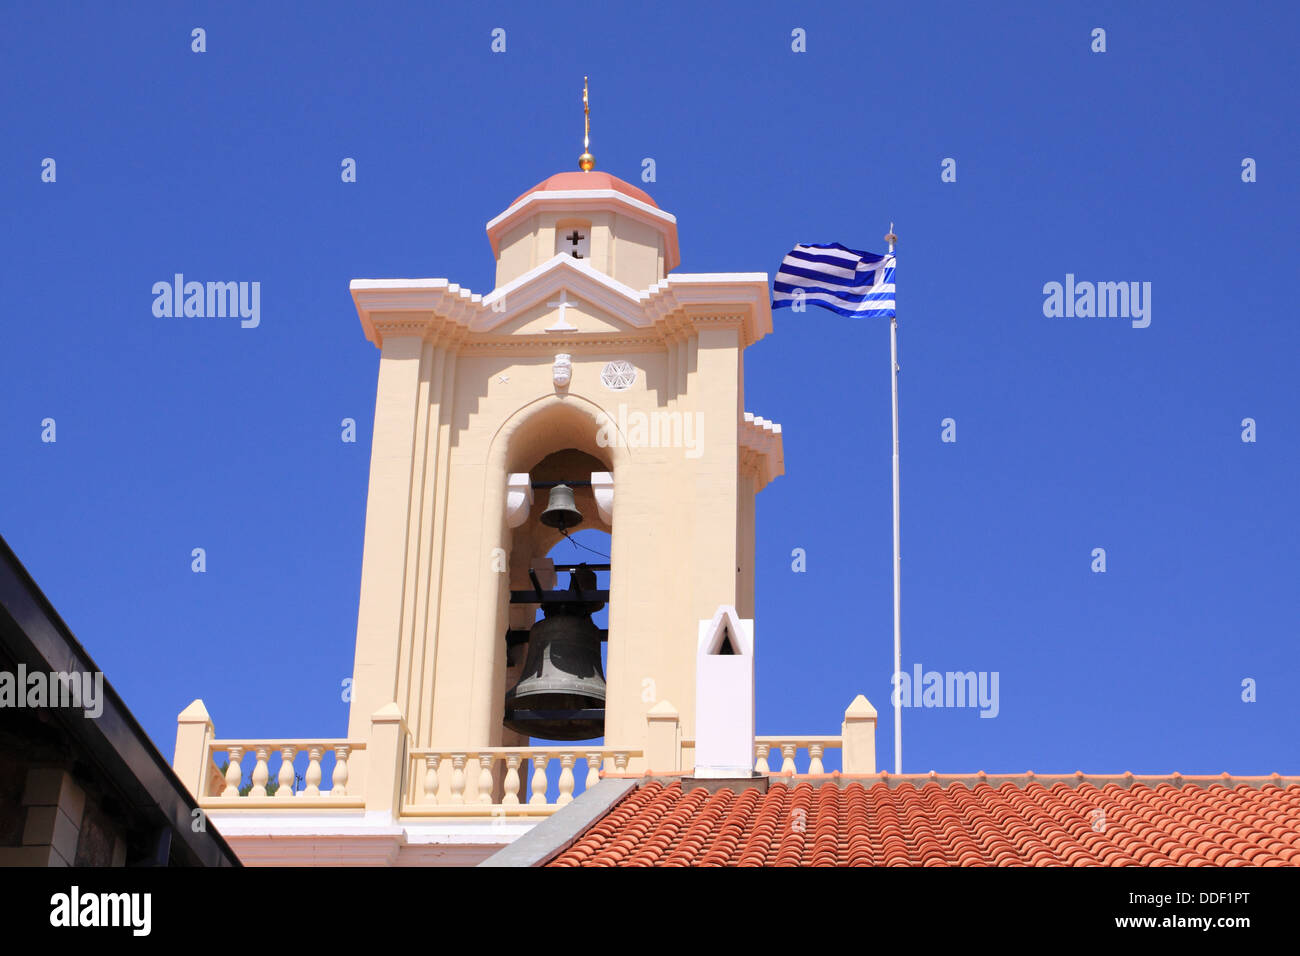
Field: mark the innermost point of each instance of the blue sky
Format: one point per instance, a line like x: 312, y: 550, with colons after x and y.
x: 1072, y: 434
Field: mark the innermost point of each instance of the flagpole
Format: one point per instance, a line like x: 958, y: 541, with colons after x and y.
x: 898, y: 557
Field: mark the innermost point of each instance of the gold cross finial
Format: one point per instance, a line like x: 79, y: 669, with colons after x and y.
x: 586, y: 162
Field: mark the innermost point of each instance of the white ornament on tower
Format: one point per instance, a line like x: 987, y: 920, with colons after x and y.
x: 562, y: 370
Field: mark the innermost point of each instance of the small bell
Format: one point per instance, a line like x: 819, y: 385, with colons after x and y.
x: 561, y: 511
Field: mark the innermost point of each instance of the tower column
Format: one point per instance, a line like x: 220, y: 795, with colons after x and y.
x: 714, y: 387
x: 388, y: 509
x: 487, y: 691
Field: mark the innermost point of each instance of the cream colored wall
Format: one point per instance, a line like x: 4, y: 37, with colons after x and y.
x: 637, y: 252
x: 602, y: 232
x: 518, y: 251
x: 745, y: 549
x: 384, y: 556
x: 625, y: 248
x: 434, y: 612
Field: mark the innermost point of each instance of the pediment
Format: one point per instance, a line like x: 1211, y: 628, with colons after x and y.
x: 562, y: 297
x: 527, y: 306
x: 564, y: 314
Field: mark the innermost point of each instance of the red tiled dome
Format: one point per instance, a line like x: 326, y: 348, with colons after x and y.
x: 591, y: 180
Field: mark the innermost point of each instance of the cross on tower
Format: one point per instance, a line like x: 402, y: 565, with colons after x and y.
x: 575, y: 238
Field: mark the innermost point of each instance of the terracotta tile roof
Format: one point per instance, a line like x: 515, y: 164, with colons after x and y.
x: 592, y: 180
x: 952, y: 821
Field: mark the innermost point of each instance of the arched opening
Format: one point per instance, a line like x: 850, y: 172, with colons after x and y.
x: 552, y: 438
x: 557, y: 640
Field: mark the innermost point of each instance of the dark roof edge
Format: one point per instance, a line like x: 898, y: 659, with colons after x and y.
x: 563, y: 828
x: 115, y: 739
x: 1022, y: 780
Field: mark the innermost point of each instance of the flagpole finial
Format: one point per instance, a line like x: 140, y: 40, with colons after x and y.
x: 586, y: 162
x: 890, y: 237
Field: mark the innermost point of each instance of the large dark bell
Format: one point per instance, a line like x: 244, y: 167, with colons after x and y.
x: 562, y: 677
x: 561, y: 510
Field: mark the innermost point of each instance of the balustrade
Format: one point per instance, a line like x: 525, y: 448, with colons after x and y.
x: 789, y: 748
x: 229, y: 783
x: 518, y: 786
x: 515, y: 777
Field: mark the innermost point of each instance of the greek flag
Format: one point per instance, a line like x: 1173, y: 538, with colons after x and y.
x: 837, y: 278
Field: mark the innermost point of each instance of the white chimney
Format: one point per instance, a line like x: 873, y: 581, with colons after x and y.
x: 724, y: 696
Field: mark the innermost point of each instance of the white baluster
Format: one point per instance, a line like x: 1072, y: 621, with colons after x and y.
x: 815, y: 758
x: 594, y: 762
x: 566, y: 779
x: 458, y: 778
x: 511, y: 797
x: 261, y: 773
x: 539, y: 778
x: 234, y: 772
x: 339, y: 781
x: 313, y: 771
x: 620, y: 762
x: 429, y: 792
x: 760, y: 757
x: 285, y: 777
x: 787, y: 759
x: 485, y: 778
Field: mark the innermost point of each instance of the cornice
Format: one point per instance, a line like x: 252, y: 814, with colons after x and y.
x: 762, y: 451
x: 671, y: 309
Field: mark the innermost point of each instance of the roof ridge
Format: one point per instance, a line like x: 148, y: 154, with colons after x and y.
x: 1046, y: 780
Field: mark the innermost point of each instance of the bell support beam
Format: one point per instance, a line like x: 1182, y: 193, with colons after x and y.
x: 559, y: 597
x: 516, y: 636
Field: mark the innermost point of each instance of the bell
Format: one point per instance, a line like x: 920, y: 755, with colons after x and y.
x: 561, y: 512
x: 562, y: 680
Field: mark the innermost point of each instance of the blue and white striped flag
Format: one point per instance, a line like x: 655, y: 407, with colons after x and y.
x: 837, y: 278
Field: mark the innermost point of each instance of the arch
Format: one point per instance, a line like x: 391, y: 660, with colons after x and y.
x: 526, y: 436
x: 538, y: 429
x: 521, y: 440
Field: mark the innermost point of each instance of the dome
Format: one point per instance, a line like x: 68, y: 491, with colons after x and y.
x: 591, y: 180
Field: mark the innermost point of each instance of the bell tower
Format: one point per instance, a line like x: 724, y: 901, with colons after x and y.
x: 593, y: 387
